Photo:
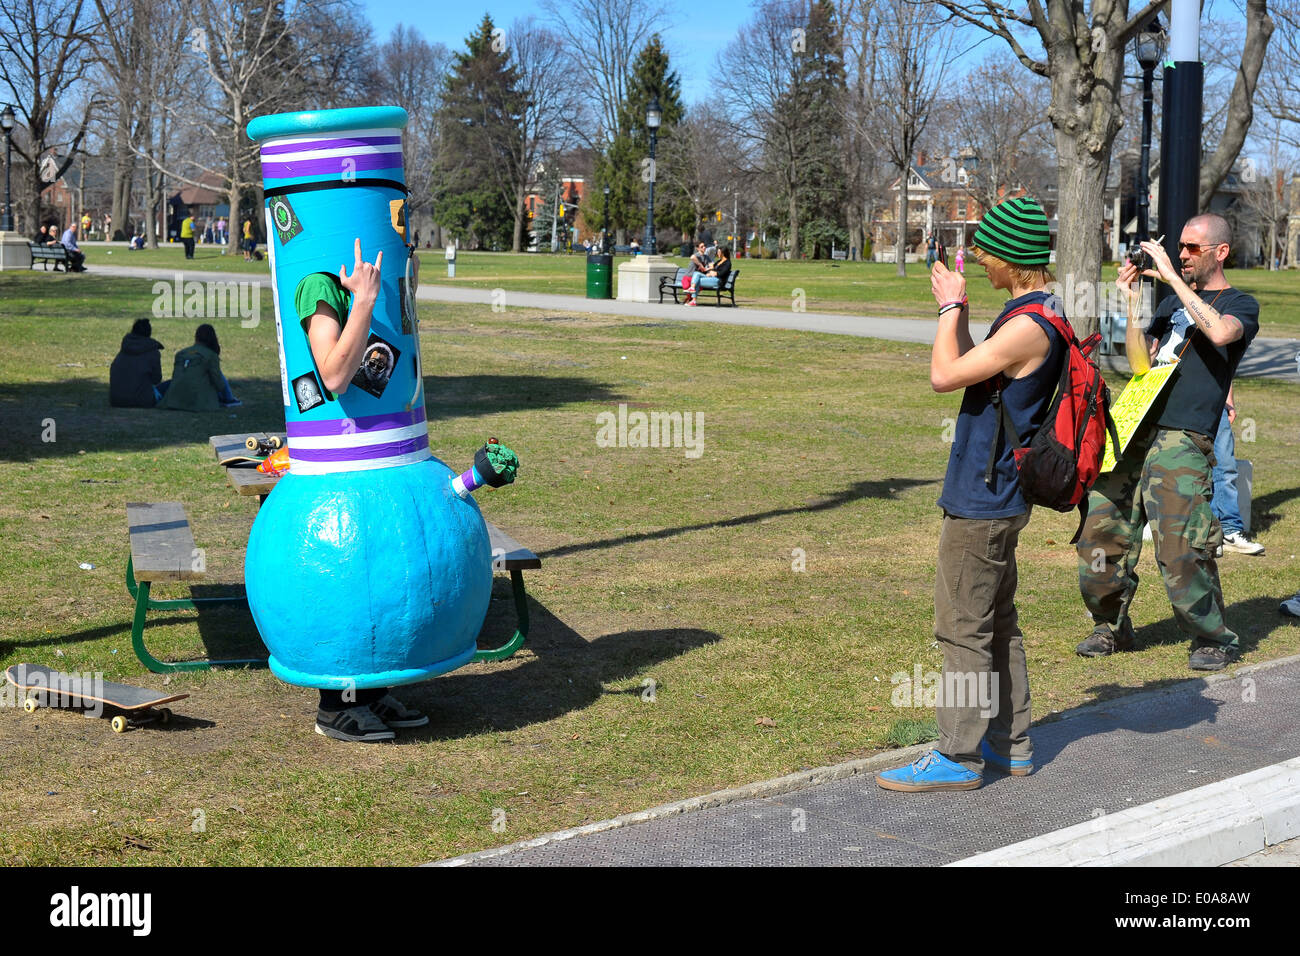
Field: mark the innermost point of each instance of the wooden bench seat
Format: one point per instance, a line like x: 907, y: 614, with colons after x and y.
x: 47, y: 254
x: 162, y: 549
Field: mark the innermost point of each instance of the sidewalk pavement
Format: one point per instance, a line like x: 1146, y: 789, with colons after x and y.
x: 1198, y: 774
x: 1266, y: 358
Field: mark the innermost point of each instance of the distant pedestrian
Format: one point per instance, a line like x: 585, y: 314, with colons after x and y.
x: 221, y: 231
x: 187, y: 235
x: 961, y: 259
x: 931, y: 250
x: 249, y: 242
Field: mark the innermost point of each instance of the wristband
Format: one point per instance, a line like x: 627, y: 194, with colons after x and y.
x: 955, y: 303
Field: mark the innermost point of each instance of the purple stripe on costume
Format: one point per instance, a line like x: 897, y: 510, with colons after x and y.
x: 363, y: 453
x: 330, y: 144
x: 350, y: 426
x: 333, y: 164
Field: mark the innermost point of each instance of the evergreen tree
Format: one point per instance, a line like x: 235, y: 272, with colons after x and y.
x: 811, y: 114
x: 474, y: 194
x: 623, y: 164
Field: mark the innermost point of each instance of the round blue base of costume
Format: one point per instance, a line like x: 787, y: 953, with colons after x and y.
x: 368, y: 578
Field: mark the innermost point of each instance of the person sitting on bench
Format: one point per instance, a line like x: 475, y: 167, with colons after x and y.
x: 75, y: 256
x: 46, y: 236
x: 714, y: 278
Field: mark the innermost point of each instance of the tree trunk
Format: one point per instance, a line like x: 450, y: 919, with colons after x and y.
x: 123, y: 170
x: 900, y: 244
x: 1080, y: 243
x: 794, y: 225
x: 1241, y: 112
x: 520, y: 216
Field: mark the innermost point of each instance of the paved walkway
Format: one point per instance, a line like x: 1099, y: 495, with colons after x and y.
x: 1100, y: 769
x: 1266, y: 358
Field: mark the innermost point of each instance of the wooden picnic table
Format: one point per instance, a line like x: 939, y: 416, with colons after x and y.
x: 507, y: 553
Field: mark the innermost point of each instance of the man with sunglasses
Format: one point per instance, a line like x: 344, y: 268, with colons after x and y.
x: 1164, y: 475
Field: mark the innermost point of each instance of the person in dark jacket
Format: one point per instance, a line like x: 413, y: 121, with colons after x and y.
x: 135, y: 377
x: 197, y: 384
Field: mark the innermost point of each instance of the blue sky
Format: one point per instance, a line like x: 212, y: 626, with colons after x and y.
x: 693, y: 50
x: 451, y: 21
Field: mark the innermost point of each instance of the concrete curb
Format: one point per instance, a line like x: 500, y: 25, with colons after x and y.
x: 809, y: 778
x: 1209, y: 826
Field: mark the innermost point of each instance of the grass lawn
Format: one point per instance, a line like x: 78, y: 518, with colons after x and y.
x: 860, y: 288
x: 657, y: 567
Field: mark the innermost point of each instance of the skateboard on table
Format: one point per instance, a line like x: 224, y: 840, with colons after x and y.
x: 259, y: 447
x: 131, y: 706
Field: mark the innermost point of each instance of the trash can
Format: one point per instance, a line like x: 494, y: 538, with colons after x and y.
x: 600, y: 276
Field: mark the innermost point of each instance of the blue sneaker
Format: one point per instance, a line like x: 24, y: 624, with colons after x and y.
x: 1017, y: 768
x: 933, y: 771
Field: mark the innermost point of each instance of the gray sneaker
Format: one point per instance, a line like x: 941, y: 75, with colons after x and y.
x: 1211, y: 657
x: 394, y: 713
x: 356, y: 724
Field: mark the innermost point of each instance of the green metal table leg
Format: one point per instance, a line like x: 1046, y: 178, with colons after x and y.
x: 144, y: 604
x: 521, y: 630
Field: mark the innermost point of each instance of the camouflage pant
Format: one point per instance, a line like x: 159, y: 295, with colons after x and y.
x: 1168, y: 485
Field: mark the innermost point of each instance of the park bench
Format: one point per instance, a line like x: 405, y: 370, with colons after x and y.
x: 672, y: 285
x: 47, y: 254
x: 162, y: 549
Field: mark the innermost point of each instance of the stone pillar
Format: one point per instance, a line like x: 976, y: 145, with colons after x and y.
x: 638, y: 278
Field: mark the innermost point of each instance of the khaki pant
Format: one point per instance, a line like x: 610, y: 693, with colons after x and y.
x: 985, y: 679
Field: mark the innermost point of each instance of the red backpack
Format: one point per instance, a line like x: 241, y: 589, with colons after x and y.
x: 1063, y: 460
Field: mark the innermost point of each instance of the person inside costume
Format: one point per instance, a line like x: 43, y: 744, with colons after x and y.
x: 335, y: 312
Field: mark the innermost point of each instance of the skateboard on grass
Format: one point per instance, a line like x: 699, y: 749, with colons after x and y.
x: 130, y: 706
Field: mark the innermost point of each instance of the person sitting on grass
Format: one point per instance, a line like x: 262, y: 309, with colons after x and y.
x: 197, y: 384
x: 714, y: 277
x: 135, y: 377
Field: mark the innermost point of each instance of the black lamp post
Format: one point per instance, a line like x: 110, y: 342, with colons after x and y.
x: 604, y: 232
x: 7, y: 121
x: 1150, y: 48
x: 653, y: 116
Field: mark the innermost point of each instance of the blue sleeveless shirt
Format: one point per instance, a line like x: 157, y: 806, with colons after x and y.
x: 965, y: 494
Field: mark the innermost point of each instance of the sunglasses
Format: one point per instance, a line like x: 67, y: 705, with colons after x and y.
x: 1196, y: 248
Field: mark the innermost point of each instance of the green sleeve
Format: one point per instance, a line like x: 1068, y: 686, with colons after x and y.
x: 316, y: 288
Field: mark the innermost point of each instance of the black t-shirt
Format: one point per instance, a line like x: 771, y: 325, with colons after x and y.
x: 721, y: 268
x: 1194, y: 402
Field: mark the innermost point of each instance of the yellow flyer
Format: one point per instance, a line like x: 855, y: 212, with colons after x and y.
x: 1132, y: 406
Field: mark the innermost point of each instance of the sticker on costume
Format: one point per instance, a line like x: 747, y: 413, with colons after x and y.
x: 308, y: 392
x: 287, y: 223
x: 377, y: 366
x: 408, y: 305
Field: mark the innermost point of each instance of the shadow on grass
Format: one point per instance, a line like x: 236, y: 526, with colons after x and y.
x: 885, y: 488
x: 74, y: 414
x: 566, y: 672
x: 1263, y: 513
x: 1252, y: 620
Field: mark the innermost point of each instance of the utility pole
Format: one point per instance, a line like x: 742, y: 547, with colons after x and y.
x: 555, y: 216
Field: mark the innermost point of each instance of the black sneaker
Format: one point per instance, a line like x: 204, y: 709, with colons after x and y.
x: 1212, y: 657
x: 394, y: 713
x: 1103, y: 641
x: 357, y: 724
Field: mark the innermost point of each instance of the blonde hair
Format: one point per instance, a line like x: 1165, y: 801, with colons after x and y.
x: 1020, y: 275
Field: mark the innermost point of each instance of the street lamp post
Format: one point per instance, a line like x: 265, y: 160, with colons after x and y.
x: 7, y: 121
x: 653, y: 116
x: 604, y: 232
x: 1150, y: 48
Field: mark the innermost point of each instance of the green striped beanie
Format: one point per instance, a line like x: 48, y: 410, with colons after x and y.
x: 1016, y: 231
